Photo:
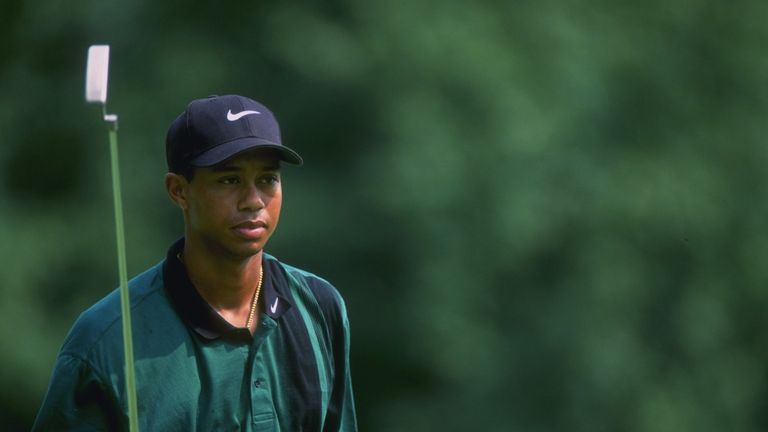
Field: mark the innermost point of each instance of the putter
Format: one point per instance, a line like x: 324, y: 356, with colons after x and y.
x: 96, y: 92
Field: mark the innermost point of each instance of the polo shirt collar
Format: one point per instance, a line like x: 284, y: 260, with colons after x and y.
x: 275, y: 300
x: 200, y: 316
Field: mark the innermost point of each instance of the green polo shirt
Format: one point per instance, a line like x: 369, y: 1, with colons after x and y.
x: 196, y: 372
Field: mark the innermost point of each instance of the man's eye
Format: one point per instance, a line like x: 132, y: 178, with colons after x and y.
x: 270, y: 179
x: 229, y: 180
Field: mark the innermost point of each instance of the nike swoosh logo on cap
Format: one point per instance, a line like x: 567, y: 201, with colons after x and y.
x: 238, y: 116
x: 273, y: 308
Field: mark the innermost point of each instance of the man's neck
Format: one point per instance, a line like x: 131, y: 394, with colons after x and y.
x: 226, y: 283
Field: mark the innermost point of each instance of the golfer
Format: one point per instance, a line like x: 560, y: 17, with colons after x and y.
x: 226, y: 337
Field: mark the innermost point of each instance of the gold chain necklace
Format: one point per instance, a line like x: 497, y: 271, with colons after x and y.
x: 255, y: 296
x: 255, y: 299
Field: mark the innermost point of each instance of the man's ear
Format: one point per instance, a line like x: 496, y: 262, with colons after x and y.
x: 176, y: 186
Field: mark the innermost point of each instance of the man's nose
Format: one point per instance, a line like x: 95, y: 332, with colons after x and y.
x: 252, y: 198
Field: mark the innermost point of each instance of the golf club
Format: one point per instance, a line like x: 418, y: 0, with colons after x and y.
x: 96, y: 92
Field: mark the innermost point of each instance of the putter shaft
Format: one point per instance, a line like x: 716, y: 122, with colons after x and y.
x: 125, y: 302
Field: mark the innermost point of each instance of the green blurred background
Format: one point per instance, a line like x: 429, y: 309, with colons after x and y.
x: 544, y: 216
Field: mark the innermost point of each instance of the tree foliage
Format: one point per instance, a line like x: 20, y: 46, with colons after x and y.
x: 543, y: 215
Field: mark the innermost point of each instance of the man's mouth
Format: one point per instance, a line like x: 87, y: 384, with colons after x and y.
x: 251, y: 229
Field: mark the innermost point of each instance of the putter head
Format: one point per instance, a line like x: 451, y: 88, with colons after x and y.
x: 96, y: 74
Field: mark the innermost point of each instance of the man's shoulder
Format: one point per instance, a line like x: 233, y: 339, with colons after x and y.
x: 102, y: 322
x: 308, y: 285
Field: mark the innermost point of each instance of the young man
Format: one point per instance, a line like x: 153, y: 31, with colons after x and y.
x: 226, y: 337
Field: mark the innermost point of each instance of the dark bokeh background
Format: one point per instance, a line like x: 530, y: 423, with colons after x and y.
x: 544, y: 216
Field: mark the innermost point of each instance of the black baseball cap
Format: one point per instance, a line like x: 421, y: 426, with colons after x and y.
x: 213, y: 129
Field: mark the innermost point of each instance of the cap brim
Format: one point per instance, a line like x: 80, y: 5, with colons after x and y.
x: 225, y: 151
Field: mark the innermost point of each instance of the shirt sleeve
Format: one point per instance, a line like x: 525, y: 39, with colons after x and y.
x: 77, y: 400
x: 341, y: 414
x: 348, y: 415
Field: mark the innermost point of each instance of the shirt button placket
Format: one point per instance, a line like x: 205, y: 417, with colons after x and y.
x: 261, y: 398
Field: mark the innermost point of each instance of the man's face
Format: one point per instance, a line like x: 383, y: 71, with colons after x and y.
x: 234, y: 207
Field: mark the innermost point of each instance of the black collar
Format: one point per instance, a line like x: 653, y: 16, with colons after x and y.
x: 200, y: 316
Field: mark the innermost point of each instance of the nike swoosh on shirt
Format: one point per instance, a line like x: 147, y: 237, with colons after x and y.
x: 273, y: 308
x: 238, y: 116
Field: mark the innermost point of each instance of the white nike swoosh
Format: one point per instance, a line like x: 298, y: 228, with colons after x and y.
x: 238, y: 116
x: 273, y: 308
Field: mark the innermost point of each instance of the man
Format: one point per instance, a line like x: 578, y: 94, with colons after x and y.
x: 226, y: 337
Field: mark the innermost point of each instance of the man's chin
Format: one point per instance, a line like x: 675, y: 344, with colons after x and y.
x: 248, y: 250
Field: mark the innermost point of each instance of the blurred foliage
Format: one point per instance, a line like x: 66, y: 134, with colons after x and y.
x: 544, y: 216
